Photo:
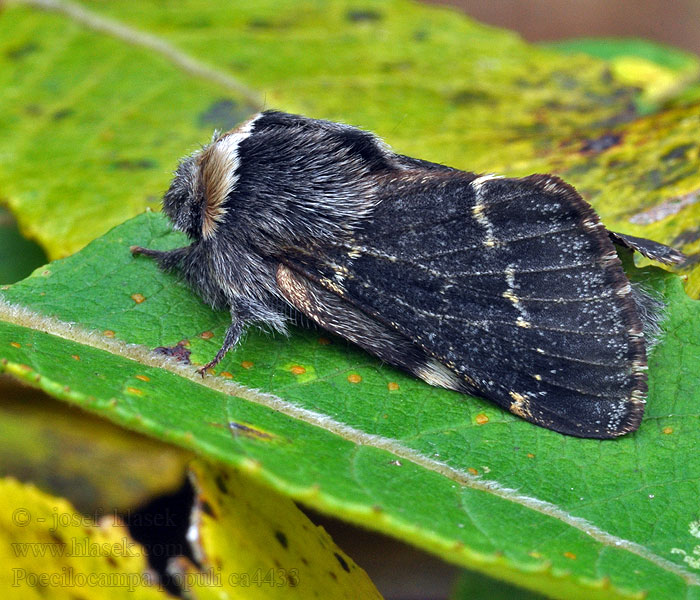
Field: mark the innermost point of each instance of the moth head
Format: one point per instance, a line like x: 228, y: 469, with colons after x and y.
x: 184, y: 201
x: 196, y: 199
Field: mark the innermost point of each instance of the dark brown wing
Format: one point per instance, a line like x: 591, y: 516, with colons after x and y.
x: 649, y: 248
x: 512, y: 284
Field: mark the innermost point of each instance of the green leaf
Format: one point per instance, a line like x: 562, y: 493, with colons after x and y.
x: 662, y: 72
x: 337, y: 430
x: 473, y: 586
x: 18, y: 256
x: 100, y: 99
x: 680, y: 62
x: 99, y: 104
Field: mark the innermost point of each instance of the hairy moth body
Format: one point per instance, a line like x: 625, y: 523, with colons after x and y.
x: 510, y: 289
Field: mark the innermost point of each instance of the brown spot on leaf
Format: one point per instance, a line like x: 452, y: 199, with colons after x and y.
x: 179, y: 351
x: 62, y: 113
x: 223, y: 115
x: 342, y: 562
x: 601, y: 143
x: 687, y: 236
x: 324, y: 341
x: 19, y: 52
x: 363, y: 15
x: 108, y: 333
x: 137, y: 164
x: 282, y: 539
x: 677, y: 152
x: 34, y: 110
x: 481, y: 419
x: 206, y: 508
x: 221, y: 484
x: 250, y: 431
x: 471, y: 96
x: 665, y: 209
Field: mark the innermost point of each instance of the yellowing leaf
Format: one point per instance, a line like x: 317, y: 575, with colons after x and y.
x: 48, y: 550
x: 253, y: 543
x: 636, y: 71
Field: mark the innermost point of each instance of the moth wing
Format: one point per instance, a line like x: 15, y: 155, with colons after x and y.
x: 512, y: 284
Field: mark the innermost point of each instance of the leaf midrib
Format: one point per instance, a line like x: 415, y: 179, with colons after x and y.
x: 23, y: 317
x: 181, y: 60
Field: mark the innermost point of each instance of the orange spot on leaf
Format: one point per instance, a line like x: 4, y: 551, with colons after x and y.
x: 246, y: 364
x: 15, y: 344
x: 393, y: 386
x: 570, y: 555
x: 481, y: 419
x: 473, y: 471
x: 138, y: 298
x: 142, y: 377
x: 354, y: 378
x: 530, y: 455
x: 108, y: 333
x: 136, y: 391
x: 75, y: 357
x: 297, y: 369
x: 226, y: 374
x: 206, y: 335
x: 667, y: 430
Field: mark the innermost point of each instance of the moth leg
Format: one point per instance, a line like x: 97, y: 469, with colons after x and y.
x: 167, y: 260
x: 233, y: 334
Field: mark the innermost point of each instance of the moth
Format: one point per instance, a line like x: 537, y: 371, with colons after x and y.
x: 507, y: 288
